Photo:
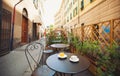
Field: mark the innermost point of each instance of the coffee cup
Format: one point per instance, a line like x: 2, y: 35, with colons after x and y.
x: 73, y: 57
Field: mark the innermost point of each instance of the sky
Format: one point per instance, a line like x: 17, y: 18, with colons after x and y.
x: 51, y: 7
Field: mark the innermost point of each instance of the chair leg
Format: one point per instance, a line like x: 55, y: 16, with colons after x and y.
x: 56, y: 74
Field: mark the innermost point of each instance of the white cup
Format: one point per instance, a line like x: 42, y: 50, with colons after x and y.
x: 73, y: 57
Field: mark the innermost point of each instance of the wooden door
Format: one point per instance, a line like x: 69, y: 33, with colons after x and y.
x: 24, y: 30
x: 5, y: 31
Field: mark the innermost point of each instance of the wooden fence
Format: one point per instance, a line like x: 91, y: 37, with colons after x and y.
x: 105, y: 32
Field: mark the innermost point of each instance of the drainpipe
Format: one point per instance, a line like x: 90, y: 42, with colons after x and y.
x: 0, y: 20
x: 12, y: 27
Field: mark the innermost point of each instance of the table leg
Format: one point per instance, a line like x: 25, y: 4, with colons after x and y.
x: 60, y: 74
x: 63, y: 74
x: 56, y: 50
x: 71, y: 74
x: 56, y: 73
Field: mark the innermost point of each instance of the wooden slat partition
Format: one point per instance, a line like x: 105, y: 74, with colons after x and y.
x: 116, y: 30
x: 105, y: 32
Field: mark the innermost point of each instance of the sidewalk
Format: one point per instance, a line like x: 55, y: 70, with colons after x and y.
x: 15, y: 63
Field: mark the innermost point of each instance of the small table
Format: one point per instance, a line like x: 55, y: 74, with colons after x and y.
x: 56, y: 41
x: 59, y: 46
x: 66, y: 66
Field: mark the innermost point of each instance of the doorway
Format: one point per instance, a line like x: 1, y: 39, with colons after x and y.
x: 5, y: 31
x: 24, y: 37
x: 34, y: 31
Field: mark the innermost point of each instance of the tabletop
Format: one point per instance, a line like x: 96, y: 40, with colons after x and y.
x: 59, y: 45
x: 65, y: 65
x: 56, y: 41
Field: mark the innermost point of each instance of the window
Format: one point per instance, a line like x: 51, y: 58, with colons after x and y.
x: 85, y: 3
x: 82, y: 4
x: 75, y: 12
x: 67, y: 19
x: 91, y: 1
x: 35, y: 2
x: 61, y: 26
x: 70, y: 16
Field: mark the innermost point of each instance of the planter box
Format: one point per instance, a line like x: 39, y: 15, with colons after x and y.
x: 93, y: 66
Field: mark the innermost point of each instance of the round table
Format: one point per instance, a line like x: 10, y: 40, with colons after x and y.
x: 59, y: 45
x: 65, y: 65
x: 56, y: 41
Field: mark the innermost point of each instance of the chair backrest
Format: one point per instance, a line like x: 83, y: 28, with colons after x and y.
x: 33, y: 53
x: 43, y: 41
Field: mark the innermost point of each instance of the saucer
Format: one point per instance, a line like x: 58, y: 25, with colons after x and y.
x: 74, y: 60
x: 62, y: 56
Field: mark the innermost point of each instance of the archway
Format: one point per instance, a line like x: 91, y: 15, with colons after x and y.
x: 24, y: 37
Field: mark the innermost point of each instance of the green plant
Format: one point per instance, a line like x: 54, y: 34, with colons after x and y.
x: 90, y: 47
x: 56, y: 38
x: 63, y: 39
x: 85, y: 47
x: 108, y: 61
x: 50, y: 36
x: 75, y: 42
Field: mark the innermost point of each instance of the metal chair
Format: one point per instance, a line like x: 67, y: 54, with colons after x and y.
x: 39, y: 69
x: 47, y: 52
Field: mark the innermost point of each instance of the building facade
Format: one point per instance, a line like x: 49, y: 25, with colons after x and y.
x: 20, y: 22
x: 77, y: 12
x: 59, y: 16
x: 58, y: 19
